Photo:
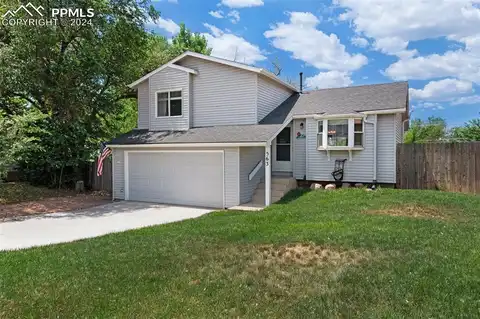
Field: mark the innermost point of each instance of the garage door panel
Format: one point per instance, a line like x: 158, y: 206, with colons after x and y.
x: 183, y: 178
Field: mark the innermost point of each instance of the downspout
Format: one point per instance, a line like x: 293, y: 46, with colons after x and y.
x: 374, y: 123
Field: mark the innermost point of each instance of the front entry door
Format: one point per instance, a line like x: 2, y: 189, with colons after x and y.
x: 282, y: 151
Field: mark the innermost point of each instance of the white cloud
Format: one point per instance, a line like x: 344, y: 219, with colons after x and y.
x: 394, y: 46
x: 462, y: 64
x: 229, y: 46
x: 216, y: 14
x: 234, y: 15
x: 411, y: 20
x: 331, y: 79
x: 166, y: 24
x: 393, y: 25
x: 472, y: 99
x: 442, y: 90
x: 301, y: 37
x: 242, y: 3
x: 359, y: 42
x: 434, y: 106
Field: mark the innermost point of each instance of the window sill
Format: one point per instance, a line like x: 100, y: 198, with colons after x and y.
x: 168, y: 117
x: 340, y: 148
x: 329, y: 149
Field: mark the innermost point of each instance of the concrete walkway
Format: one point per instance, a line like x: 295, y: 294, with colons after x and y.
x: 65, y: 227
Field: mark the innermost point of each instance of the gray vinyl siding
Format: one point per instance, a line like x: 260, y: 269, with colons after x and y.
x: 319, y: 168
x: 118, y: 174
x: 231, y: 177
x: 222, y: 95
x: 269, y: 96
x: 165, y: 80
x: 299, y: 151
x: 249, y: 158
x: 386, y: 142
x: 143, y: 105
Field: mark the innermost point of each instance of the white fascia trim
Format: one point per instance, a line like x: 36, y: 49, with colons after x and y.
x: 339, y: 116
x: 186, y: 145
x: 167, y: 65
x: 389, y: 111
x: 284, y: 125
x: 182, y: 68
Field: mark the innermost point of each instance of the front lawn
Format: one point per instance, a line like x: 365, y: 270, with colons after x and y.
x: 346, y: 253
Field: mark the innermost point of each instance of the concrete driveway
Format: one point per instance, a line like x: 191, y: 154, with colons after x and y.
x: 65, y: 227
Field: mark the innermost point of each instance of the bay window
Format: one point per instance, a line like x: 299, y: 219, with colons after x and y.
x: 340, y: 133
x: 337, y: 134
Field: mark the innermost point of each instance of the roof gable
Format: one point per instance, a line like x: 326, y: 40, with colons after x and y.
x: 216, y: 60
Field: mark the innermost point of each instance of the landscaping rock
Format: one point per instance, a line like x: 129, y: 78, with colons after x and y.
x: 359, y: 185
x: 330, y: 187
x: 346, y: 185
x: 316, y: 186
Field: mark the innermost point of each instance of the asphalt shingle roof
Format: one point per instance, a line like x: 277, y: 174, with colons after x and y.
x: 217, y: 134
x: 342, y: 101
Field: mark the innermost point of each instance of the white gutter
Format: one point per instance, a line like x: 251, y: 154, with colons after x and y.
x: 338, y: 116
x: 374, y: 122
x: 193, y: 145
x: 390, y: 111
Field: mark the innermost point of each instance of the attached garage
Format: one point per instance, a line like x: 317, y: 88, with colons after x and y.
x: 193, y: 178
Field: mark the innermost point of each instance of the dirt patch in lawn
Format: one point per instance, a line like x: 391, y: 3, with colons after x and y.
x: 411, y: 210
x: 304, y: 254
x: 53, y: 205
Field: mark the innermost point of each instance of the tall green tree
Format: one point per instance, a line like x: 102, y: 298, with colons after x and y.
x: 185, y: 40
x: 17, y: 135
x: 76, y: 76
x: 469, y: 132
x: 434, y: 129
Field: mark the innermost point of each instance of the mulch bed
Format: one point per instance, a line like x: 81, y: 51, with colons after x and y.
x: 53, y: 205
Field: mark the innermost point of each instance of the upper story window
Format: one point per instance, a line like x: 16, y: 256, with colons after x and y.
x: 169, y: 103
x: 340, y: 133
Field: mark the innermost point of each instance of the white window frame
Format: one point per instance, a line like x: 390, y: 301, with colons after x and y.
x: 359, y: 132
x: 351, y: 135
x: 169, y: 100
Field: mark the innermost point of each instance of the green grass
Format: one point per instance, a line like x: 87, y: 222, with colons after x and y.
x: 11, y: 193
x: 217, y: 266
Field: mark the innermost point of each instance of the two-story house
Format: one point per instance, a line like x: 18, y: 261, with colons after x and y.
x: 217, y: 133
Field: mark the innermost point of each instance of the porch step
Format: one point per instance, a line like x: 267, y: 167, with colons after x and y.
x: 275, y: 187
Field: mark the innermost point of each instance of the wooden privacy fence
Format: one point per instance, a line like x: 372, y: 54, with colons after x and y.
x: 453, y: 167
x: 104, y: 182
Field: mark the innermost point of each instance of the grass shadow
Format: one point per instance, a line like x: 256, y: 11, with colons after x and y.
x: 293, y: 195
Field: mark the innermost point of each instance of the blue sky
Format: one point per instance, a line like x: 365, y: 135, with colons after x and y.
x: 434, y: 44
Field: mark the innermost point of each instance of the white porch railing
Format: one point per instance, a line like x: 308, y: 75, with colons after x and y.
x: 255, y: 170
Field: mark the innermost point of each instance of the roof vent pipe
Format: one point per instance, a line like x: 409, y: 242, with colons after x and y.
x: 301, y: 82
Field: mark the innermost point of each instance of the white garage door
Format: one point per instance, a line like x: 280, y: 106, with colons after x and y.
x: 182, y: 178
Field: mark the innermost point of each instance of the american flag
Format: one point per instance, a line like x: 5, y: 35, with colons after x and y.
x: 104, y: 153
